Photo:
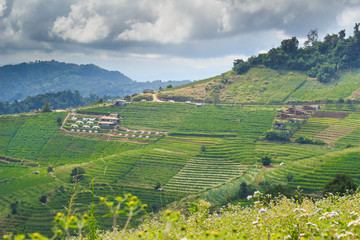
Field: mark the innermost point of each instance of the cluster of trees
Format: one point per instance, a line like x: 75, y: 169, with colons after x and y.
x: 59, y: 100
x: 321, y: 59
x: 308, y: 140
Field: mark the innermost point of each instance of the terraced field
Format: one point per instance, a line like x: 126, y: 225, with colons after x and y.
x: 202, y: 173
x: 207, y: 151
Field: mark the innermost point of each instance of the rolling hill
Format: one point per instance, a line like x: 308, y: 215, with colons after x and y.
x: 267, y: 86
x: 205, y: 151
x: 30, y: 79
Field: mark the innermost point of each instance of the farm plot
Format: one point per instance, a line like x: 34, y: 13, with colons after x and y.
x: 63, y: 149
x: 213, y: 119
x: 201, y: 173
x: 340, y: 128
x: 31, y: 136
x: 311, y: 174
x: 12, y: 170
x: 256, y: 122
x: 285, y: 152
x: 155, y: 116
x: 8, y: 127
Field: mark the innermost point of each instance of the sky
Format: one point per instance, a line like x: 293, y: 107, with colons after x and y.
x: 162, y: 39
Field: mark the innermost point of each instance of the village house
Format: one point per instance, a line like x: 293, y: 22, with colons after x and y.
x: 108, y: 121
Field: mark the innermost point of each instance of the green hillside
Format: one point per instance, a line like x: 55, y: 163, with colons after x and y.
x: 267, y: 86
x: 205, y: 151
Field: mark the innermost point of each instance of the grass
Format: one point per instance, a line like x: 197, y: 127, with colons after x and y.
x: 341, y: 88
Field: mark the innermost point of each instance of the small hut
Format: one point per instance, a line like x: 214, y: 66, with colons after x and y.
x: 79, y: 122
x: 84, y: 131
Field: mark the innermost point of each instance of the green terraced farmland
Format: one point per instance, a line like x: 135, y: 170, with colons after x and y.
x: 207, y: 151
x: 8, y: 127
x: 31, y: 136
x: 202, y: 173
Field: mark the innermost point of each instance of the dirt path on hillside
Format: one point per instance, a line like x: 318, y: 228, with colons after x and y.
x: 64, y: 121
x: 256, y: 183
x: 155, y: 98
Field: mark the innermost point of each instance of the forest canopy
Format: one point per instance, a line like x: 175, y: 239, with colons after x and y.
x: 321, y: 59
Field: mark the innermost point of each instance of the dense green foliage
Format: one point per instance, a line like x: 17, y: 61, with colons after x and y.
x: 282, y: 218
x: 59, y: 100
x: 307, y: 140
x: 340, y: 184
x: 321, y: 59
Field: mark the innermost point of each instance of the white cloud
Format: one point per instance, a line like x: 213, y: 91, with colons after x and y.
x: 348, y: 17
x: 2, y: 7
x: 83, y: 24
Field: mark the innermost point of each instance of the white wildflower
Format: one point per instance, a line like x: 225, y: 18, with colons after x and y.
x: 249, y: 197
x: 334, y: 214
x: 311, y: 224
x: 344, y: 235
x: 256, y: 192
x: 262, y: 210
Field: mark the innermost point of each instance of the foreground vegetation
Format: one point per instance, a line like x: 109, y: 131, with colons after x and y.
x: 334, y: 217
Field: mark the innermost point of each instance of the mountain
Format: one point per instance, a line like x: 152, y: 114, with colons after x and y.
x: 29, y: 79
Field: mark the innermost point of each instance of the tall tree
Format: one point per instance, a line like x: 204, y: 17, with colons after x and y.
x: 312, y: 37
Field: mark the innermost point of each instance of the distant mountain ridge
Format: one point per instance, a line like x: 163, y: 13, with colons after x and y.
x: 29, y: 79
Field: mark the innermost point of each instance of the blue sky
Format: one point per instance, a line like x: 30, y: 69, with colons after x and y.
x: 162, y: 39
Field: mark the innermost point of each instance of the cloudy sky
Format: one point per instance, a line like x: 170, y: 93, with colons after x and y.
x: 162, y: 39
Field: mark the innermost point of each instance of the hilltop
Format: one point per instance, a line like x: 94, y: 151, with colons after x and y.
x: 30, y: 79
x: 262, y: 85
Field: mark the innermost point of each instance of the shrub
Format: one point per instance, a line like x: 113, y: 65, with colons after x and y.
x: 340, y: 184
x: 277, y: 136
x: 43, y: 199
x: 307, y: 140
x: 50, y: 169
x: 278, y: 190
x: 77, y: 174
x: 244, y: 190
x: 289, y: 177
x: 203, y: 148
x: 138, y: 98
x: 266, y: 160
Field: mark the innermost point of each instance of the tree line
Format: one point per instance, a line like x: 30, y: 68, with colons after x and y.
x: 321, y: 59
x: 58, y: 100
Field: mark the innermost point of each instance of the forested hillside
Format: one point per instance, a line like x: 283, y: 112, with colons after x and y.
x: 29, y: 79
x: 320, y: 59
